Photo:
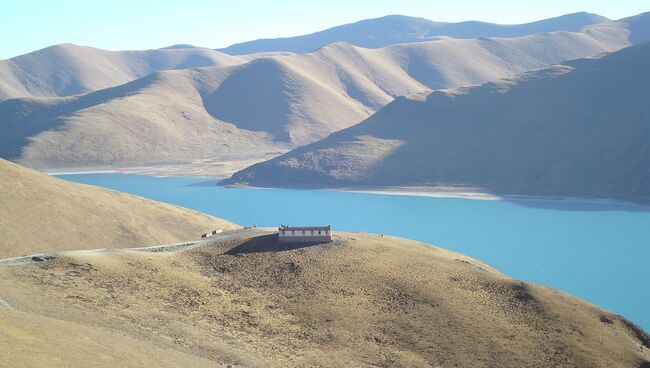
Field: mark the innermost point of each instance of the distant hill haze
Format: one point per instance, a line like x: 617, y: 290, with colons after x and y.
x: 272, y: 103
x: 394, y: 29
x: 41, y: 213
x: 580, y: 128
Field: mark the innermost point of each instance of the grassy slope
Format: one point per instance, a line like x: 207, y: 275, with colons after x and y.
x: 36, y: 342
x: 41, y: 213
x: 363, y: 301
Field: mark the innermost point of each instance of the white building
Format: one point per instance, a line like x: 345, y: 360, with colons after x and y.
x: 305, y: 234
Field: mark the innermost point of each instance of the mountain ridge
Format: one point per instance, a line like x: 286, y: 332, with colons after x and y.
x: 273, y: 102
x: 393, y: 29
x: 505, y: 128
x: 68, y: 69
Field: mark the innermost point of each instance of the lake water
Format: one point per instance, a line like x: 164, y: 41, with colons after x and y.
x: 598, y: 251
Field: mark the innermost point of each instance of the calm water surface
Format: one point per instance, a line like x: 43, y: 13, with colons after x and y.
x: 596, y: 250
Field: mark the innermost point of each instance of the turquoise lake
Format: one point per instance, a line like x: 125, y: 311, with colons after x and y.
x: 599, y: 251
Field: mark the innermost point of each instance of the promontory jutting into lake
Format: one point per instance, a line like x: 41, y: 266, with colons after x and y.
x: 391, y: 191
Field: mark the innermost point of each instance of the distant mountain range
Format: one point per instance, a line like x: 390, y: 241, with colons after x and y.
x: 67, y: 69
x: 581, y: 128
x: 394, y: 29
x: 268, y: 105
x: 254, y: 106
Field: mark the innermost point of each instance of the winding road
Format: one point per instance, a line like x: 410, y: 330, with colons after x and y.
x: 226, y: 235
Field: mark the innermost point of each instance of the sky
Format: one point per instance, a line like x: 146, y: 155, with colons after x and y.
x: 28, y: 25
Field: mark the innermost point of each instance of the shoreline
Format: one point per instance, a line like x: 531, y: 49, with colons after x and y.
x: 473, y: 194
x: 427, y: 192
x: 467, y: 193
x: 81, y: 172
x: 424, y: 192
x: 216, y: 169
x: 157, y: 171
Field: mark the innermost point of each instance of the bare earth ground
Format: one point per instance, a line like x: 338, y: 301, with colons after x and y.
x: 363, y: 300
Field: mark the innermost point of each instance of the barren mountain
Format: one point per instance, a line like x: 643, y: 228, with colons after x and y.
x: 579, y: 128
x: 40, y: 213
x: 273, y: 103
x: 65, y: 70
x: 394, y: 29
x: 157, y: 119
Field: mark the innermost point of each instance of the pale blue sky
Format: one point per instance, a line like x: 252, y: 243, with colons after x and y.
x: 27, y: 25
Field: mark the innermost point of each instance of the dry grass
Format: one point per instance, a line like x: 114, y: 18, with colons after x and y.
x: 40, y: 341
x: 41, y: 213
x: 363, y: 300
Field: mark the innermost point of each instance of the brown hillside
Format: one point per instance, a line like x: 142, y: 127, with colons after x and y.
x: 362, y: 301
x: 41, y: 213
